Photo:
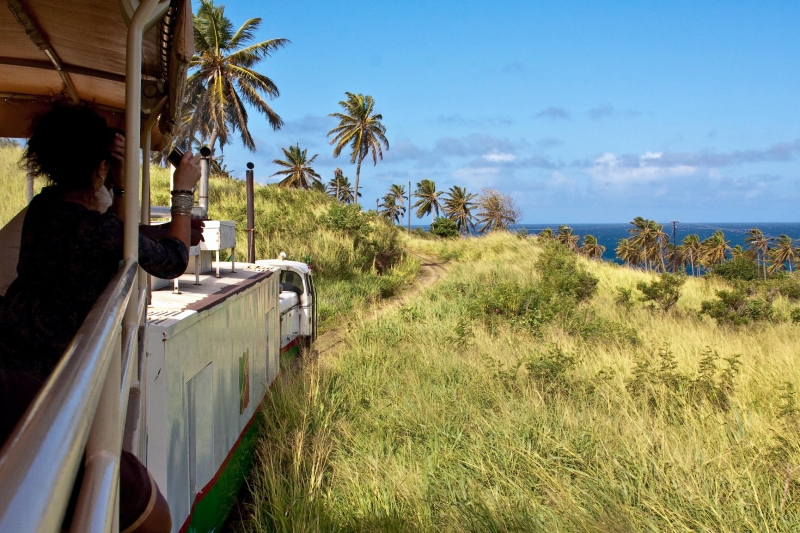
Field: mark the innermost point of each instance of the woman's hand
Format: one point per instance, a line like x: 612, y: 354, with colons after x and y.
x: 188, y: 172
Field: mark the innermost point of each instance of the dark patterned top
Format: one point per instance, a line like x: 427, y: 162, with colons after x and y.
x: 68, y: 255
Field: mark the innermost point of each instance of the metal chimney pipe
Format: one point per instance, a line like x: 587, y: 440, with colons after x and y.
x: 205, y: 171
x: 251, y: 241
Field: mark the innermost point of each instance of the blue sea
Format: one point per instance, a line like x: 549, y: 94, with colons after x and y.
x: 609, y: 234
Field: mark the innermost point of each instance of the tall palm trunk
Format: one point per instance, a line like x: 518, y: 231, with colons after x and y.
x: 358, y: 175
x: 212, y: 140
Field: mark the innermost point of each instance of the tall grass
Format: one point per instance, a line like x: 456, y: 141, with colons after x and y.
x: 12, y: 182
x: 437, y: 417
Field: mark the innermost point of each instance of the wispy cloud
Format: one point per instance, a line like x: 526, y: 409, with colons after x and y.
x: 499, y: 157
x: 515, y: 67
x: 607, y: 110
x: 477, y: 144
x: 553, y: 113
x: 480, y: 122
x: 549, y: 142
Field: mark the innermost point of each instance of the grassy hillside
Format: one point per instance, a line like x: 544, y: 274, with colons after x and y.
x: 12, y: 181
x: 522, y: 394
x: 295, y: 222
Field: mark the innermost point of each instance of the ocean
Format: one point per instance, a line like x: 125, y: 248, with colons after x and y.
x: 609, y: 234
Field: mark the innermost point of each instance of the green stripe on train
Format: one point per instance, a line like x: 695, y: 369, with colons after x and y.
x: 210, y: 512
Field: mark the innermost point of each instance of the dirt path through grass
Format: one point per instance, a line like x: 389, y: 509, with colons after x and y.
x: 430, y: 272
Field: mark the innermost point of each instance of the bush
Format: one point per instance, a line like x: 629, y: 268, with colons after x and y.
x: 444, y: 227
x: 740, y: 268
x: 563, y: 286
x: 789, y: 286
x: 347, y: 218
x: 659, y: 382
x: 664, y: 291
x: 736, y: 308
x: 796, y: 315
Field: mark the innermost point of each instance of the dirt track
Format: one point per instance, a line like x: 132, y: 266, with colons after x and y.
x: 429, y: 273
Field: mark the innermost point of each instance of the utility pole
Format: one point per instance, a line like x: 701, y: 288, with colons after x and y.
x: 376, y: 204
x: 409, y: 207
x: 674, y: 225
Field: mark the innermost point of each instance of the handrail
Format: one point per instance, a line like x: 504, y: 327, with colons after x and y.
x: 40, y: 460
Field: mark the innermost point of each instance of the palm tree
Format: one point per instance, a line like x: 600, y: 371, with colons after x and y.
x: 458, y: 206
x: 224, y: 79
x: 298, y: 171
x: 628, y: 252
x: 496, y: 211
x: 783, y: 253
x: 342, y: 189
x: 714, y: 250
x: 398, y: 192
x: 737, y: 252
x: 651, y: 238
x: 359, y: 129
x: 391, y: 210
x: 547, y: 234
x: 676, y: 257
x: 591, y: 248
x: 691, y: 250
x: 428, y: 202
x: 758, y: 246
x: 568, y: 238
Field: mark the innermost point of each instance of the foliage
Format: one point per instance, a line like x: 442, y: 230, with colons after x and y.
x: 223, y: 77
x: 663, y: 291
x: 444, y: 227
x: 297, y: 169
x: 736, y: 307
x: 740, y: 268
x: 5, y: 142
x: 361, y: 130
x: 458, y: 205
x: 666, y: 388
x: 428, y: 199
x: 562, y: 287
x: 496, y: 211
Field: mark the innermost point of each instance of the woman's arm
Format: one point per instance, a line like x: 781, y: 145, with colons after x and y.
x: 186, y: 176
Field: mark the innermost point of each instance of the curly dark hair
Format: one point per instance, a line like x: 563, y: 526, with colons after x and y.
x: 67, y: 144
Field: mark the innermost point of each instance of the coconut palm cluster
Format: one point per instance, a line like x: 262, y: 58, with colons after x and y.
x: 649, y: 248
x: 471, y: 212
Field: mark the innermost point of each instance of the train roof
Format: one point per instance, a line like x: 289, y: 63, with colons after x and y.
x: 75, y: 50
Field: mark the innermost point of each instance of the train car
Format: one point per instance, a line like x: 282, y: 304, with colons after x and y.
x: 173, y: 372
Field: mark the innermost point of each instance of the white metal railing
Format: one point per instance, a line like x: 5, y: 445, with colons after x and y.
x: 76, y: 413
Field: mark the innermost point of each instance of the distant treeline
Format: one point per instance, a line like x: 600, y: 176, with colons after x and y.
x: 649, y: 248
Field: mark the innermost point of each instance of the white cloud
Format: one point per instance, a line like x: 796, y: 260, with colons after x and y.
x: 608, y: 169
x: 499, y: 157
x: 476, y: 177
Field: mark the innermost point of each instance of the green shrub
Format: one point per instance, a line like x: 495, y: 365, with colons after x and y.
x: 562, y: 276
x: 664, y: 291
x: 347, y: 218
x: 795, y: 315
x: 740, y: 268
x: 789, y: 286
x: 624, y: 298
x: 659, y: 382
x: 444, y: 227
x: 735, y: 307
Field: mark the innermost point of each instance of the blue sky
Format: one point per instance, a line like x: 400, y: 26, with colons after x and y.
x: 582, y: 111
